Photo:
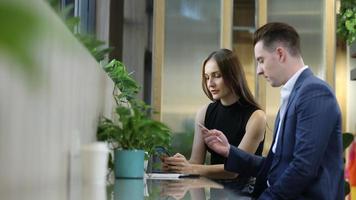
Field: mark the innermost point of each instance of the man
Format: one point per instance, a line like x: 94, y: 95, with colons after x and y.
x: 305, y: 160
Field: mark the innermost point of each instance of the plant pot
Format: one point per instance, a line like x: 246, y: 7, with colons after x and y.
x: 129, y: 163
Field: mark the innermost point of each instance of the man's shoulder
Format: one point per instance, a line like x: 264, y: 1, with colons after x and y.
x: 314, y: 82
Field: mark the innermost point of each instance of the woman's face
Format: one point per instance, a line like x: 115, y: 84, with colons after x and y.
x: 215, y: 82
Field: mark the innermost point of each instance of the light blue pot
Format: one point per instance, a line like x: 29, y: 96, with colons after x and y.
x: 129, y: 189
x: 129, y: 163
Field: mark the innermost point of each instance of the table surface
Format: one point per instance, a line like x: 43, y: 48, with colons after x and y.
x: 125, y: 189
x: 184, y: 188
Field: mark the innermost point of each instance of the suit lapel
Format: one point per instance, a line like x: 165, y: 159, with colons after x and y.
x: 292, y: 96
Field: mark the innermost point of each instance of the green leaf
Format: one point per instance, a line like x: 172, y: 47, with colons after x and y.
x: 19, y: 28
x: 346, y: 188
x: 72, y: 23
x: 110, y: 162
x: 347, y: 139
x: 348, y: 13
x: 349, y: 26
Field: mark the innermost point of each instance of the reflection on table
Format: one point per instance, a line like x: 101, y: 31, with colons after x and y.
x: 127, y: 189
x: 186, y: 188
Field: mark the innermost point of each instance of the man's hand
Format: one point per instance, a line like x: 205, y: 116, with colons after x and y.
x: 215, y: 140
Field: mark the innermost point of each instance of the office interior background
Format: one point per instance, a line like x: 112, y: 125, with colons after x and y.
x: 50, y: 103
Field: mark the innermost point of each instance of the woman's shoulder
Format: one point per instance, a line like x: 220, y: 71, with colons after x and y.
x: 203, y: 108
x: 200, y: 116
x: 258, y: 115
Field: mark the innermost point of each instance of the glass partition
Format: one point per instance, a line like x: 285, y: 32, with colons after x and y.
x: 192, y: 32
x: 244, y: 25
x: 307, y: 16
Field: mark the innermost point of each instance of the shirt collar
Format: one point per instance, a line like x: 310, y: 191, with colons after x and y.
x: 288, y: 87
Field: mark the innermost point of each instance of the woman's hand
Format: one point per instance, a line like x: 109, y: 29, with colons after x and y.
x: 177, y: 163
x: 177, y: 190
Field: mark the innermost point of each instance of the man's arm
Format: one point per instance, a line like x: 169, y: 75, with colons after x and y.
x: 317, y: 116
x: 238, y: 160
x: 242, y: 162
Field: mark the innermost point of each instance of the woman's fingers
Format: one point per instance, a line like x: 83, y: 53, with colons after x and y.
x: 178, y: 155
x: 175, y: 167
x: 177, y: 159
x: 175, y: 163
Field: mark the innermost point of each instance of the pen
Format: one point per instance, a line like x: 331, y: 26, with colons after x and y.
x: 206, y: 129
x: 202, y: 126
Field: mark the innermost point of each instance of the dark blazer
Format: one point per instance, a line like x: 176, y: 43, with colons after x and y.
x: 308, y: 162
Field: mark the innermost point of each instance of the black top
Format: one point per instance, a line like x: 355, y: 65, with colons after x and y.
x: 231, y: 120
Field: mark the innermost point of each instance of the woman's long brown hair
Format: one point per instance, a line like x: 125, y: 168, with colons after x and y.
x: 232, y: 73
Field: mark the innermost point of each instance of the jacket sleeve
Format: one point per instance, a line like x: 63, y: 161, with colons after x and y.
x: 242, y: 162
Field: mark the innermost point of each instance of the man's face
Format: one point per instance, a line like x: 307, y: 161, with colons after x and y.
x: 269, y: 65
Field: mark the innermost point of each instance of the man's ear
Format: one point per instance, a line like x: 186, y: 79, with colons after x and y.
x: 281, y: 54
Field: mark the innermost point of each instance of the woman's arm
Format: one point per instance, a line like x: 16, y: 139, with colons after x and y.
x: 255, y: 131
x: 198, y: 149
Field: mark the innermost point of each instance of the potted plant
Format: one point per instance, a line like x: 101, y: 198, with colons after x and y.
x: 131, y: 132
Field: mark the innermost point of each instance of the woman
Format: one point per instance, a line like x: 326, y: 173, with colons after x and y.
x: 233, y: 111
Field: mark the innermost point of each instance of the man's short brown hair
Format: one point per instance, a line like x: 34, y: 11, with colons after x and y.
x: 272, y: 33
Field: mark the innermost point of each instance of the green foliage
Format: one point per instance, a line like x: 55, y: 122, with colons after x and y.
x: 19, y: 28
x: 346, y: 188
x: 123, y: 81
x: 347, y: 139
x: 132, y: 127
x: 96, y: 47
x: 346, y: 20
x: 182, y: 142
